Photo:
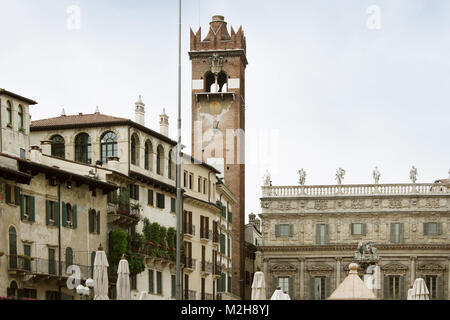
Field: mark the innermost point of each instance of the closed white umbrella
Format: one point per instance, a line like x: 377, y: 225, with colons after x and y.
x: 101, y: 275
x: 259, y: 286
x: 278, y: 295
x: 123, y: 280
x: 420, y: 290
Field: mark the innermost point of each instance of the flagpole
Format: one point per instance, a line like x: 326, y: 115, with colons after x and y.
x: 179, y: 196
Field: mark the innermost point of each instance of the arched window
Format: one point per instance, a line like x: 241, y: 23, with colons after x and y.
x: 13, y: 290
x: 148, y: 155
x: 209, y: 82
x: 20, y: 117
x: 58, y: 146
x: 160, y: 160
x: 83, y: 148
x: 69, y: 257
x: 135, y: 150
x: 222, y: 81
x: 109, y: 146
x: 9, y: 113
x: 12, y: 248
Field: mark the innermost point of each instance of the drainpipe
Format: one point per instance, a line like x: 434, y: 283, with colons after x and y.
x: 59, y: 242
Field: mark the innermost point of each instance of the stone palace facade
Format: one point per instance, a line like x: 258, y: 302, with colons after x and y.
x: 310, y: 234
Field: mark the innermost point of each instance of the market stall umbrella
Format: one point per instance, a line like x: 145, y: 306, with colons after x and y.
x: 352, y: 288
x: 286, y: 296
x: 101, y: 275
x: 420, y: 290
x: 259, y: 286
x: 123, y: 280
x: 278, y: 295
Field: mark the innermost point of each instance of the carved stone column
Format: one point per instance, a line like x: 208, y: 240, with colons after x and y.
x: 448, y: 282
x: 266, y: 275
x: 302, y: 278
x: 338, y: 271
x: 413, y: 269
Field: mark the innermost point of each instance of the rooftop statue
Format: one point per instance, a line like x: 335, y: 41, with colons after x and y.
x: 413, y: 174
x: 340, y: 175
x: 266, y: 179
x: 376, y: 175
x: 302, y: 177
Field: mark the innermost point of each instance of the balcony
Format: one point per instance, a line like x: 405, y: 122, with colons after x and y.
x: 123, y: 214
x: 205, y: 235
x: 189, y: 230
x: 207, y: 268
x: 42, y: 268
x: 189, y: 264
x: 192, y: 295
x: 217, y: 271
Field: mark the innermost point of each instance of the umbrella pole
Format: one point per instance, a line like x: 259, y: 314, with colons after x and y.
x: 179, y: 196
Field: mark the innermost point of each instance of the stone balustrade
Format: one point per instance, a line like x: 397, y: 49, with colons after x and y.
x: 354, y: 190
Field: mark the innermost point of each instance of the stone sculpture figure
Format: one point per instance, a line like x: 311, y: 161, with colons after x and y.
x: 340, y: 175
x: 302, y: 177
x: 413, y: 174
x: 376, y: 175
x: 266, y: 179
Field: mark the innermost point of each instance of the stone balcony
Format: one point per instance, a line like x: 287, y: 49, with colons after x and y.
x: 355, y: 190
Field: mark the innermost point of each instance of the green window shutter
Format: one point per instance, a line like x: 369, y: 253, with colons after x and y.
x: 64, y: 214
x: 439, y: 228
x: 222, y: 243
x: 159, y: 282
x: 440, y: 287
x: 47, y: 212
x: 364, y: 229
x: 401, y: 232
x: 91, y: 221
x: 386, y: 293
x: 291, y: 230
x: 136, y: 190
x: 75, y: 218
x: 219, y: 285
x: 312, y: 293
x: 98, y: 222
x: 393, y: 232
x: 8, y: 193
x: 229, y: 284
x: 150, y: 197
x: 22, y: 207
x: 151, y: 286
x: 32, y: 209
x: 277, y: 230
x: 57, y: 214
x: 291, y: 288
x: 328, y: 287
x: 402, y: 288
x: 425, y: 228
x: 327, y: 234
x: 351, y: 229
x: 17, y: 195
x: 274, y: 284
x: 318, y: 234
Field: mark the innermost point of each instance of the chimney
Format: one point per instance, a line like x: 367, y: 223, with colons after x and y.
x: 164, y: 124
x: 46, y: 147
x: 36, y: 154
x: 140, y: 112
x: 254, y: 221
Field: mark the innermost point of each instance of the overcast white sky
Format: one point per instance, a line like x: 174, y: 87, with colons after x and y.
x: 323, y: 90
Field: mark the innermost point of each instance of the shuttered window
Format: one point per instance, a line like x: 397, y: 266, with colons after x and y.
x: 432, y: 228
x: 394, y: 287
x: 222, y: 243
x: 159, y: 289
x: 150, y: 198
x: 173, y: 286
x: 12, y: 194
x: 172, y: 205
x: 358, y: 229
x: 284, y: 230
x: 51, y: 262
x: 397, y: 232
x: 151, y: 285
x: 160, y: 201
x: 322, y: 234
x: 69, y: 257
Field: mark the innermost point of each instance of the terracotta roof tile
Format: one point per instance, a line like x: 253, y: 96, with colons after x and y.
x: 79, y: 119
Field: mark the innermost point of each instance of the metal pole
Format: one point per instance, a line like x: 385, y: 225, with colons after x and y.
x: 179, y: 199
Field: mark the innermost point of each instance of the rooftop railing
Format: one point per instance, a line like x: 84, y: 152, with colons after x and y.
x: 354, y: 190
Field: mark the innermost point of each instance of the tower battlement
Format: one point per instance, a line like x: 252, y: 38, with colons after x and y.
x: 218, y: 37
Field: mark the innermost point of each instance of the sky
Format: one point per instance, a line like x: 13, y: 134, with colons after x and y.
x: 351, y: 84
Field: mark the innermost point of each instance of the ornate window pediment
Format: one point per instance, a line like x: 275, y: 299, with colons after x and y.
x: 394, y: 268
x: 431, y: 267
x: 320, y: 268
x: 285, y: 267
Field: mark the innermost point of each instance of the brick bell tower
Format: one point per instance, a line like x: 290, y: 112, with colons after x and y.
x: 218, y: 120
